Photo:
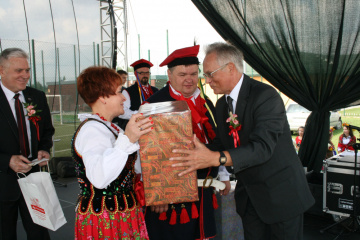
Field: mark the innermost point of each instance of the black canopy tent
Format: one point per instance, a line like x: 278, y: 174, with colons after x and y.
x: 309, y: 50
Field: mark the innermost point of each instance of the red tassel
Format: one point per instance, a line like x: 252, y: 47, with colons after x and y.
x: 194, y: 211
x: 139, y: 190
x: 163, y: 216
x: 215, y: 204
x: 173, y: 216
x: 184, y: 216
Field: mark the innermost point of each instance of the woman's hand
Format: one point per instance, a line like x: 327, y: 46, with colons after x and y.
x: 138, y: 126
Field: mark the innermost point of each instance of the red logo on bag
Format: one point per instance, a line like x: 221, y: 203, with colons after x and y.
x: 38, y: 209
x: 35, y: 205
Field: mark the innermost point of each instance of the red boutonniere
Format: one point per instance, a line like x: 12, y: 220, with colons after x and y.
x: 235, y: 126
x: 32, y: 115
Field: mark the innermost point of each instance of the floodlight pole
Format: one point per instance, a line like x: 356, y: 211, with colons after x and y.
x: 113, y: 24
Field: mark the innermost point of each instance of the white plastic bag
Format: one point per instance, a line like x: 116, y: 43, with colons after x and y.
x: 42, y: 201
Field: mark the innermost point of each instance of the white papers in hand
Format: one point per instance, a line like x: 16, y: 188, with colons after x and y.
x: 37, y: 161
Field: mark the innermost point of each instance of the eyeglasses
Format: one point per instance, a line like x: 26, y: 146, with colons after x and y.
x: 210, y: 75
x: 144, y: 73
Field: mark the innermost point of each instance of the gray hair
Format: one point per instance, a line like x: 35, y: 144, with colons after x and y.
x: 226, y: 53
x: 12, y: 52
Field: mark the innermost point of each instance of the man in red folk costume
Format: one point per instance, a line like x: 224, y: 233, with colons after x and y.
x: 189, y: 220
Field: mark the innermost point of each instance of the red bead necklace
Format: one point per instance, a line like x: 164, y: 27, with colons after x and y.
x: 112, y: 125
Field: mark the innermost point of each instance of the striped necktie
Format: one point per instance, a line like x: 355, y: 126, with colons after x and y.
x: 230, y: 104
x: 23, y: 137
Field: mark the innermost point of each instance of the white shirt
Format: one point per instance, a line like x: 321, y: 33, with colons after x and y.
x: 234, y: 94
x: 104, y: 156
x: 127, y: 111
x: 10, y: 97
x: 223, y: 174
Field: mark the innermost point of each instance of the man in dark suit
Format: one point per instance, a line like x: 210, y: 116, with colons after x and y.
x: 271, y: 193
x: 16, y: 154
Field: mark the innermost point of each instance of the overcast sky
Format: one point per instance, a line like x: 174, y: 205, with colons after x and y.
x: 148, y: 18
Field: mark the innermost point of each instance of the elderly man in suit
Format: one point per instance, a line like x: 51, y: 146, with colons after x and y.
x: 271, y: 193
x: 24, y: 137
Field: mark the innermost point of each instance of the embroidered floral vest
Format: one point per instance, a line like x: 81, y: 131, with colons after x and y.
x: 119, y: 196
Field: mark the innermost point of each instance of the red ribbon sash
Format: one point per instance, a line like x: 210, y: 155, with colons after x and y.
x: 198, y: 116
x: 35, y: 121
x: 235, y: 135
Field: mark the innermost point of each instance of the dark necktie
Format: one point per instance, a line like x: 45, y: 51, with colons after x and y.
x: 23, y: 137
x: 230, y: 169
x: 230, y: 104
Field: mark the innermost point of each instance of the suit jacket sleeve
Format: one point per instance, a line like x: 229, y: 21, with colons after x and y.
x: 266, y: 117
x: 46, y: 129
x: 5, y: 160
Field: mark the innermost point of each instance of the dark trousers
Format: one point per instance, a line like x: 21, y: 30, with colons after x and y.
x: 9, y: 211
x: 255, y: 229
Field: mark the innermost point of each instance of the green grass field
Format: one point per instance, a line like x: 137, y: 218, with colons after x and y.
x: 62, y: 139
x: 63, y: 134
x: 350, y: 111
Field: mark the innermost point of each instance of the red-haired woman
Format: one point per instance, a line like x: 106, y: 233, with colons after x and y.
x: 105, y: 156
x: 347, y: 139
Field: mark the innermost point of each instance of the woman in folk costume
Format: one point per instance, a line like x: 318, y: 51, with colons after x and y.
x: 189, y: 220
x: 347, y: 139
x: 108, y: 206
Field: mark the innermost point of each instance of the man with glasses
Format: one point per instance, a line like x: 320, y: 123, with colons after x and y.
x: 272, y: 192
x: 139, y: 92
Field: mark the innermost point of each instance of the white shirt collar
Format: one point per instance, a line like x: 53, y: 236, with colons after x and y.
x: 83, y: 116
x: 10, y: 94
x: 234, y: 94
x: 192, y: 97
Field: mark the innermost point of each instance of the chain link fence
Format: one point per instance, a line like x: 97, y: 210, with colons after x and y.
x: 54, y: 69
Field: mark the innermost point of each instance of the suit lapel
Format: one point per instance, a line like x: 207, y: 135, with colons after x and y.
x: 5, y: 110
x: 243, y: 98
x: 223, y: 126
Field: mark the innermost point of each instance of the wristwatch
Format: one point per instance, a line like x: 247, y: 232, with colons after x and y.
x: 222, y: 159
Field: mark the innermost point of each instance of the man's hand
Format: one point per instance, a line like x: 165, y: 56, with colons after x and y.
x: 43, y: 154
x: 227, y: 188
x: 19, y: 163
x: 198, y: 158
x: 160, y: 208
